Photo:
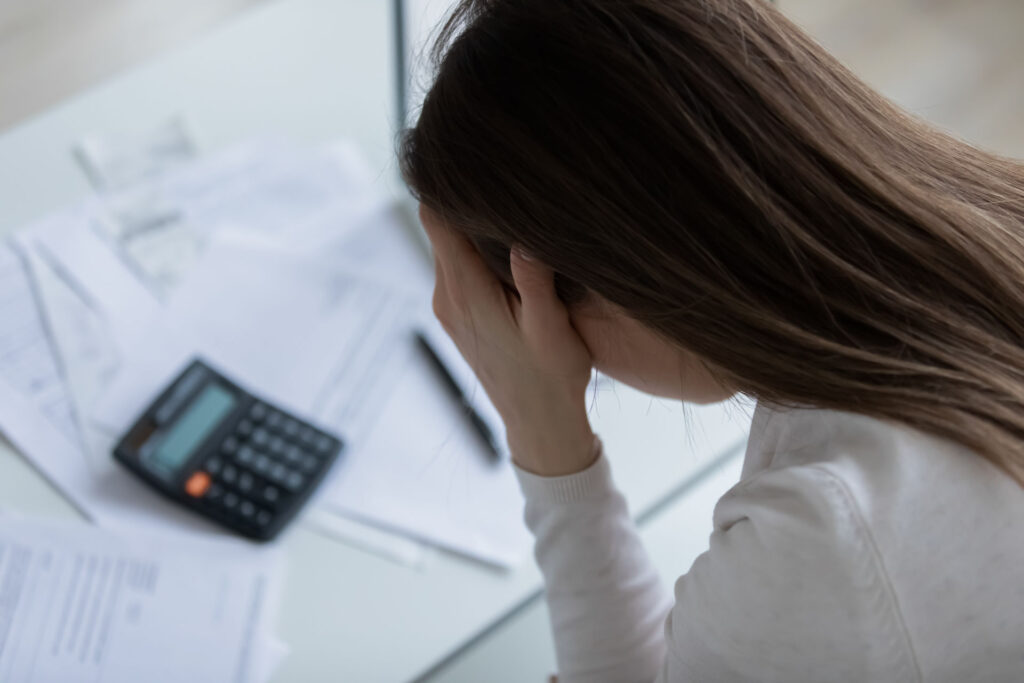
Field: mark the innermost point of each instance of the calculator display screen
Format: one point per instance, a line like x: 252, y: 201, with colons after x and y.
x: 195, y: 424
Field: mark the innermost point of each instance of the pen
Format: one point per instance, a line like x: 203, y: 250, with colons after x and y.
x: 474, y: 417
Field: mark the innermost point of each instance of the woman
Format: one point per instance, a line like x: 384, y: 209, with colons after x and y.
x: 694, y: 198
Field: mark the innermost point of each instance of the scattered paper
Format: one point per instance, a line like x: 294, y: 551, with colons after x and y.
x: 85, y: 604
x: 94, y: 304
x: 339, y: 351
x: 426, y: 473
x: 27, y: 362
x: 305, y: 335
x: 36, y: 416
x: 391, y: 546
x: 306, y: 291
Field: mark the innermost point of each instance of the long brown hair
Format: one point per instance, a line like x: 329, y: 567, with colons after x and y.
x: 710, y: 169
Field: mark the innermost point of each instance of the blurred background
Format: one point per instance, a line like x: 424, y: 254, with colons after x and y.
x: 954, y: 62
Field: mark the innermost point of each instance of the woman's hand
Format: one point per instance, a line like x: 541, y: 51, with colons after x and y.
x: 526, y: 353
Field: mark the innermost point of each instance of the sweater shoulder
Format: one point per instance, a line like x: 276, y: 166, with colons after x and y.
x: 944, y: 525
x: 796, y: 588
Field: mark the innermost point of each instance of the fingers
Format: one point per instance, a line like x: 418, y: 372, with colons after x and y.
x: 543, y: 316
x: 464, y: 266
x: 464, y: 284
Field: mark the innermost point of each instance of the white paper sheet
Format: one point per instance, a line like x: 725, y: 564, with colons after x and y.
x: 82, y: 345
x: 303, y: 334
x: 159, y: 222
x: 293, y: 197
x: 372, y: 539
x: 27, y: 363
x: 81, y: 604
x: 269, y: 656
x: 71, y: 241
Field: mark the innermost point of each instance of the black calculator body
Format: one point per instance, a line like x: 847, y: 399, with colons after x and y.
x: 226, y: 454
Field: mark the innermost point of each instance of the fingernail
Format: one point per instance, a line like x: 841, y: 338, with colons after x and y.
x: 522, y: 254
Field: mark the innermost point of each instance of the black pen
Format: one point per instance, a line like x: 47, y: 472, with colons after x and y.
x: 478, y: 422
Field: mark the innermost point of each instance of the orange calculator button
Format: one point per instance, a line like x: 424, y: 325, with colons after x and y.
x: 197, y: 484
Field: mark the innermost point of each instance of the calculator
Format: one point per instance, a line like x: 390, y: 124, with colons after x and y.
x: 226, y: 454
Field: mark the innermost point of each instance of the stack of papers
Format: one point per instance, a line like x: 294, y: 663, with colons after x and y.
x: 82, y: 604
x: 284, y: 269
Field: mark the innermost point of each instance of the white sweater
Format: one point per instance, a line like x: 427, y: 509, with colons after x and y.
x: 852, y: 549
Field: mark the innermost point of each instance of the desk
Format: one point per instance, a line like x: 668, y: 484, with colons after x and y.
x: 316, y: 70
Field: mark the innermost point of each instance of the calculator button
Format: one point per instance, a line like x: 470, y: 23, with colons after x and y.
x: 278, y: 446
x: 293, y: 455
x: 247, y: 509
x: 246, y: 482
x: 230, y: 446
x: 275, y: 419
x: 214, y: 464
x: 258, y: 412
x: 291, y: 428
x: 271, y: 494
x: 294, y: 481
x: 230, y: 501
x: 307, y: 435
x: 214, y: 493
x: 260, y: 437
x: 229, y: 475
x: 262, y: 464
x: 263, y: 518
x: 245, y: 456
x: 278, y: 473
x: 243, y: 429
x: 310, y: 463
x: 323, y: 443
x: 197, y: 484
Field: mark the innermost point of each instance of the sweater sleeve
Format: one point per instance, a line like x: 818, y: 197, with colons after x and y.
x: 791, y: 589
x: 606, y: 601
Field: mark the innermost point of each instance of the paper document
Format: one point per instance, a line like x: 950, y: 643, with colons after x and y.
x: 159, y: 224
x: 425, y: 471
x: 80, y: 338
x: 303, y: 334
x: 71, y: 242
x: 27, y: 362
x: 81, y: 604
x: 35, y: 415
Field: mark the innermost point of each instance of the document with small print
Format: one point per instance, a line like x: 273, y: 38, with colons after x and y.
x: 81, y: 604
